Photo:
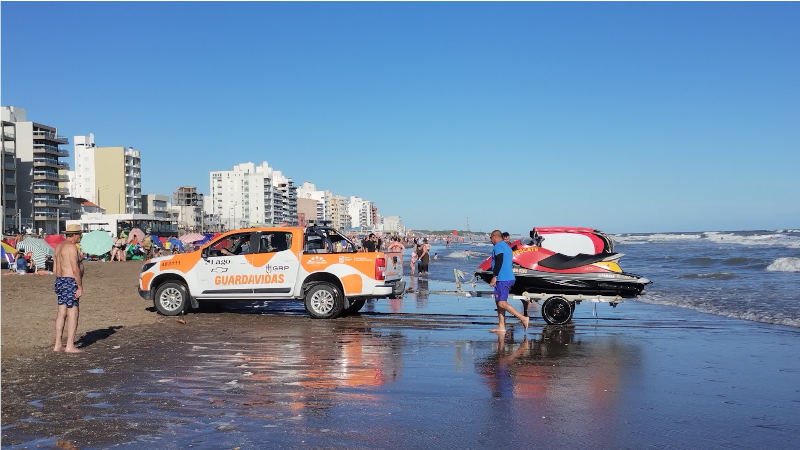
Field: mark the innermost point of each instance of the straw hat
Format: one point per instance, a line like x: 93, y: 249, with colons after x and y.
x: 73, y: 229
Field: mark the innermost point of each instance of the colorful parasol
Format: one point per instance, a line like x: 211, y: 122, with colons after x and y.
x: 191, y: 238
x: 96, y: 242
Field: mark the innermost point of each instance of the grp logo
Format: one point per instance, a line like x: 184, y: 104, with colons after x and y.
x: 275, y: 268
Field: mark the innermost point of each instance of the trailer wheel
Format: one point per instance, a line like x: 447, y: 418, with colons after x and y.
x: 324, y: 301
x: 556, y: 311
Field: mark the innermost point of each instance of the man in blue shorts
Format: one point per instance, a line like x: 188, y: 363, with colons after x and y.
x: 68, y: 287
x: 502, y: 281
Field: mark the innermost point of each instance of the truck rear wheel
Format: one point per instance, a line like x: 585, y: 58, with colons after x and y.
x: 355, y: 306
x: 324, y: 301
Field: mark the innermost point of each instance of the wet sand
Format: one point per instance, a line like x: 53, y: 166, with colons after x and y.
x: 426, y: 375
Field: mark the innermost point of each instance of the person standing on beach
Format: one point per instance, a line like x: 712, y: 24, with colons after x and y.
x: 68, y: 287
x: 502, y: 281
x: 424, y: 257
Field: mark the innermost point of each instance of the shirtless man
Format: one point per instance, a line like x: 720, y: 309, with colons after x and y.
x: 68, y: 287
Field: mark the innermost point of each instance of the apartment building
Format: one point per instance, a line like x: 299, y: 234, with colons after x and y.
x: 252, y: 195
x: 361, y: 213
x: 108, y: 176
x: 118, y: 179
x: 40, y: 195
x: 82, y: 183
x: 10, y: 216
x: 155, y: 205
x: 189, y: 205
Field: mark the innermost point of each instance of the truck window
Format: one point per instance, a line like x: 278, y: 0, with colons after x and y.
x: 274, y: 241
x: 234, y: 244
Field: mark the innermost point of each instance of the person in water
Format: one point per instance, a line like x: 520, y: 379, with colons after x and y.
x: 502, y: 280
x: 68, y: 286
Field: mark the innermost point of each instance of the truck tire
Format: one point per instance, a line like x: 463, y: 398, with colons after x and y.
x: 171, y: 298
x: 355, y: 306
x: 324, y: 301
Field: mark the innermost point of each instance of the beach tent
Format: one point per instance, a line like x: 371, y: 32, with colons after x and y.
x: 54, y: 239
x: 39, y: 248
x: 96, y: 242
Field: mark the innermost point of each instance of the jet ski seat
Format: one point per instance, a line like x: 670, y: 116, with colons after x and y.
x: 560, y: 261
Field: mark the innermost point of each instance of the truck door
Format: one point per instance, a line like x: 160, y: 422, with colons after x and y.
x: 275, y: 263
x: 225, y: 271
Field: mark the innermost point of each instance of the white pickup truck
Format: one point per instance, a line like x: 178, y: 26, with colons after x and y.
x: 318, y: 265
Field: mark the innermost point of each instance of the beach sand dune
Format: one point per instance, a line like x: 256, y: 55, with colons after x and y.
x: 110, y: 302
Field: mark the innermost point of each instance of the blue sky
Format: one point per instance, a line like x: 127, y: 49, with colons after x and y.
x: 627, y: 117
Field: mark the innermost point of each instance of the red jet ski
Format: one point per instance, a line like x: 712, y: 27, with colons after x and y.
x: 540, y: 268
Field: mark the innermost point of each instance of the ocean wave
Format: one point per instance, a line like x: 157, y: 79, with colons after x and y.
x: 788, y: 264
x: 778, y: 238
x: 712, y: 307
x: 710, y: 276
x: 657, y: 237
x: 702, y: 261
x: 463, y: 255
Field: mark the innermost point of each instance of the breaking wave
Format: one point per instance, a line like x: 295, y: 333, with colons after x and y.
x: 711, y: 306
x: 463, y: 255
x: 781, y: 238
x: 785, y: 265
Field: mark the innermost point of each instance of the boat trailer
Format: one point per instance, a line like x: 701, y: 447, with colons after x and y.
x: 556, y: 309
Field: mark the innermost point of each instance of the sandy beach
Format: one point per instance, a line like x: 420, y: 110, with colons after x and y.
x: 110, y: 303
x: 416, y: 372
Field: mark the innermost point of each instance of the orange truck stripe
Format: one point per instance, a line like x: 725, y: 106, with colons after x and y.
x: 352, y: 284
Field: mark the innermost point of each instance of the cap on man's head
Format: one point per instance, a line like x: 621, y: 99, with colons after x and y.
x: 73, y: 229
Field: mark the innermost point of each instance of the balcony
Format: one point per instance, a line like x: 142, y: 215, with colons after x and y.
x: 46, y: 135
x: 49, y: 150
x: 46, y: 203
x: 10, y: 195
x: 9, y: 180
x: 45, y: 176
x: 47, y: 162
x: 8, y: 136
x: 9, y: 165
x: 46, y: 190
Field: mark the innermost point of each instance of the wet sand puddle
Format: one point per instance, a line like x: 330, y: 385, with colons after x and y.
x: 278, y: 378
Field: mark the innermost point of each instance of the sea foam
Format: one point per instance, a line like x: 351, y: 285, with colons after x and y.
x: 787, y: 264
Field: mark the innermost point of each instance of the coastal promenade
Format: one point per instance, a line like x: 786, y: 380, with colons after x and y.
x: 418, y: 372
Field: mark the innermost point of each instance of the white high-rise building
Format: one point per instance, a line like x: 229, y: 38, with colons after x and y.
x: 83, y: 182
x: 252, y: 195
x: 360, y: 211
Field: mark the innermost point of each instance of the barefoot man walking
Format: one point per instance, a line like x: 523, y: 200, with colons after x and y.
x: 502, y: 281
x: 68, y: 287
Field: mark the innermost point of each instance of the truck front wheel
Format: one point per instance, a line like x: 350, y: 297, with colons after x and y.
x: 324, y: 301
x: 171, y: 298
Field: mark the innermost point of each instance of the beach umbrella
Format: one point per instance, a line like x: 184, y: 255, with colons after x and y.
x: 191, y: 238
x: 39, y: 248
x: 54, y: 239
x: 175, y: 242
x: 9, y: 249
x: 96, y: 242
x: 9, y: 257
x: 156, y: 241
x: 137, y: 234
